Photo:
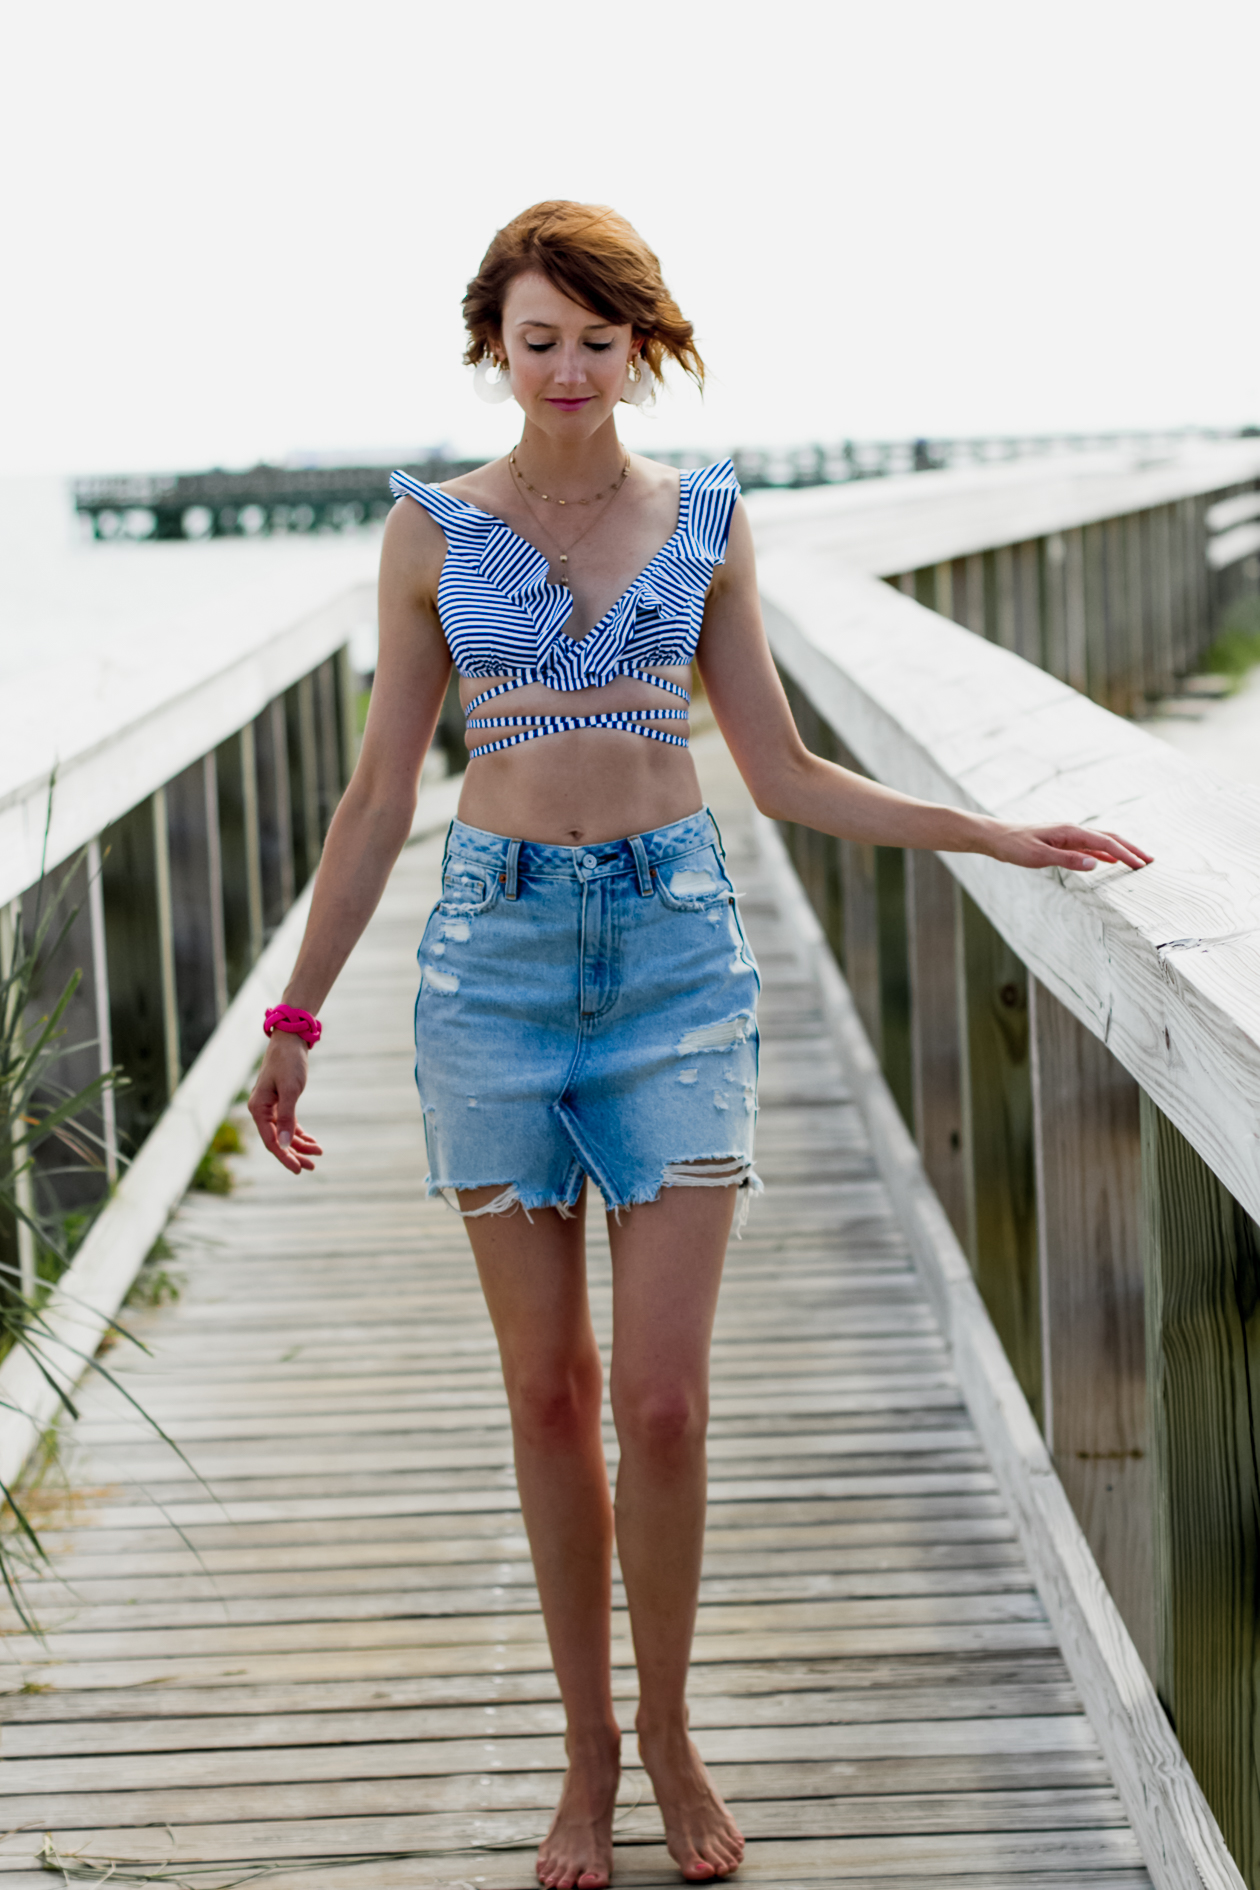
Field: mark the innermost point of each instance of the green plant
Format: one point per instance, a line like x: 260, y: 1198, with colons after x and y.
x: 212, y: 1174
x: 40, y: 1116
x: 1237, y: 646
x: 157, y: 1283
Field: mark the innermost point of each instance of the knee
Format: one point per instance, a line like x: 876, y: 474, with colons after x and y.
x: 555, y: 1408
x: 664, y: 1422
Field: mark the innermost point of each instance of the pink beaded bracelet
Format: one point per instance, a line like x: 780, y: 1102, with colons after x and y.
x: 289, y: 1018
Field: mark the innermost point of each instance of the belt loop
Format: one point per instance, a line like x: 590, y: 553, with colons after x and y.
x: 513, y: 856
x: 641, y: 866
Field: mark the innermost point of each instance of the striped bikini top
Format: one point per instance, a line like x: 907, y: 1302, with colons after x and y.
x: 501, y: 616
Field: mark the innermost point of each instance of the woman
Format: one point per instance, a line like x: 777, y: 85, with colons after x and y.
x: 587, y: 1001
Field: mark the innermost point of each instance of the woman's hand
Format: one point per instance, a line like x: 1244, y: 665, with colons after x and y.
x: 1078, y: 849
x: 273, y: 1103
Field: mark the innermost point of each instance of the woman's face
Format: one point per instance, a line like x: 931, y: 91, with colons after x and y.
x: 568, y: 368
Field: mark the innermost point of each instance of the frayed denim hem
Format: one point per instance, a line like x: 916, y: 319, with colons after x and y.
x: 505, y: 1202
x: 721, y: 1171
x: 713, y: 1171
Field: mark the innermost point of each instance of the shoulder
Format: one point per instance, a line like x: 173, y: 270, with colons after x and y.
x: 712, y: 496
x: 659, y: 481
x: 737, y: 566
x: 485, y: 487
x: 414, y: 544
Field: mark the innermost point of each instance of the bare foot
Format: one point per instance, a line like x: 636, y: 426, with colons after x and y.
x: 704, y: 1840
x: 576, y: 1853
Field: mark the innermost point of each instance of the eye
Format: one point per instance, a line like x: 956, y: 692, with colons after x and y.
x: 599, y: 347
x: 539, y: 347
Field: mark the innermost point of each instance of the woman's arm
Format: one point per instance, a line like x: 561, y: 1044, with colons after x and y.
x: 789, y: 783
x: 373, y: 818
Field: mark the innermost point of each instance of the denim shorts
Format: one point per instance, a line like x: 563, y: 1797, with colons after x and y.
x: 587, y: 1011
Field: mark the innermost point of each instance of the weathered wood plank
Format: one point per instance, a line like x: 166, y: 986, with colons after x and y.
x: 1088, y: 1152
x: 1203, y: 1352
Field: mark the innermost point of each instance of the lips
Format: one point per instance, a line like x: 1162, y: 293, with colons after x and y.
x: 570, y: 406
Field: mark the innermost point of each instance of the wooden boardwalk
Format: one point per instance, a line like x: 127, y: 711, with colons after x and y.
x: 329, y: 1667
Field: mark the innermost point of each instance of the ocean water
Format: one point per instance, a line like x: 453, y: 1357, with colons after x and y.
x: 92, y: 635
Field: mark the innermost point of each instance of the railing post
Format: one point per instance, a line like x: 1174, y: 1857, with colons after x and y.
x: 1005, y: 629
x: 166, y: 943
x: 861, y: 936
x: 24, y: 1240
x: 973, y: 615
x: 1137, y: 589
x: 328, y: 758
x: 997, y: 1139
x: 1202, y: 1255
x: 1029, y: 640
x: 277, y: 845
x: 1094, y: 549
x: 100, y: 992
x: 1088, y: 1168
x: 1076, y: 641
x: 137, y: 981
x: 1123, y: 680
x: 253, y: 840
x: 214, y: 865
x: 1054, y: 565
x: 931, y: 933
x: 240, y: 883
x: 1159, y: 566
x: 304, y: 776
x: 196, y: 895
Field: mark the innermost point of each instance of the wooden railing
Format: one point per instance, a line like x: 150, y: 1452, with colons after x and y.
x: 1112, y: 571
x: 1078, y: 1058
x: 182, y: 842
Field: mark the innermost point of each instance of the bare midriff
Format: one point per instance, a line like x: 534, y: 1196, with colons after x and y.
x: 584, y: 785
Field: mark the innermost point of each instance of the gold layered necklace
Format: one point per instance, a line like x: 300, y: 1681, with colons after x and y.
x: 609, y: 493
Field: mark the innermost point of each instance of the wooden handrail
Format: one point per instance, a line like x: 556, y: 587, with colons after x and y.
x: 1079, y: 1057
x: 1162, y: 965
x: 915, y: 520
x: 127, y: 761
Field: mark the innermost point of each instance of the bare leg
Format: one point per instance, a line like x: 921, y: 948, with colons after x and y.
x: 533, y: 1274
x: 667, y: 1267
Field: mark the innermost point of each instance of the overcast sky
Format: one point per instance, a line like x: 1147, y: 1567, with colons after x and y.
x: 237, y: 231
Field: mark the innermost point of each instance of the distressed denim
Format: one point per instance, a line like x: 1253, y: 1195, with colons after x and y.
x: 587, y: 1011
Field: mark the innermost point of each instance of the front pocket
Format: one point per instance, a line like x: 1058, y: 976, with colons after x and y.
x: 694, y: 883
x: 467, y: 888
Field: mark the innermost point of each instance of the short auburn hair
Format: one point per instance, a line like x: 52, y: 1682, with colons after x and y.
x: 593, y: 256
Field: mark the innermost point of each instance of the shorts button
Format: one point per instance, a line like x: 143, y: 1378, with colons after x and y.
x: 589, y: 862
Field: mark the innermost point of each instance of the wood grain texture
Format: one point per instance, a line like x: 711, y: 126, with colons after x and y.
x: 1088, y: 1157
x: 1181, y: 1840
x: 1203, y: 1348
x: 903, y: 524
x: 997, y: 1135
x: 935, y: 1043
x: 341, y: 1657
x: 114, y: 773
x: 1162, y: 965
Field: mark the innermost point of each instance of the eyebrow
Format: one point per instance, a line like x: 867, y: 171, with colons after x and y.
x: 527, y: 321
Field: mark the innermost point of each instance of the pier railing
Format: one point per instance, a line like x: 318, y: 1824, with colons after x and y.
x: 1112, y: 572
x: 1078, y: 1059
x: 184, y: 841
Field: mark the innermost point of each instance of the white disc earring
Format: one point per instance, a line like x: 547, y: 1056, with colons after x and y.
x: 640, y: 386
x: 492, y: 392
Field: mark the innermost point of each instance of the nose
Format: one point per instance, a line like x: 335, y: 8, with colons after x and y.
x: 570, y: 370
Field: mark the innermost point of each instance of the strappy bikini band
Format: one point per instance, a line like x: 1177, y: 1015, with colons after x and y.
x: 559, y: 723
x: 533, y: 727
x: 520, y: 677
